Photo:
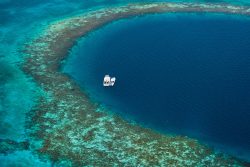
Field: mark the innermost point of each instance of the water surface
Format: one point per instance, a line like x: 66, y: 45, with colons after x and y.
x: 181, y: 74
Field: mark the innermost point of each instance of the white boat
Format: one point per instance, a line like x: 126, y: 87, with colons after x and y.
x: 112, y: 81
x: 108, y: 81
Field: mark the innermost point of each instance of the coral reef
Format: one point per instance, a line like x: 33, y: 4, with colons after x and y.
x: 8, y: 146
x: 72, y: 131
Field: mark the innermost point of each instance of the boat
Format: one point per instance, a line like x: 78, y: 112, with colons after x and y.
x: 112, y: 81
x: 108, y: 81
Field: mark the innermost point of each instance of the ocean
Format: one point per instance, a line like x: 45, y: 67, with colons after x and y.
x: 144, y: 92
x: 183, y: 74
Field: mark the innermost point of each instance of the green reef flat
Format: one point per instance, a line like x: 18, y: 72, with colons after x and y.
x: 70, y: 130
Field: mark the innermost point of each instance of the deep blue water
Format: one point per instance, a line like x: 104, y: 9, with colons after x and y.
x: 20, y: 20
x: 182, y: 74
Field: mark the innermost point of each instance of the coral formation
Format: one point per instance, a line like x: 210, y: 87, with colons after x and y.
x: 68, y: 128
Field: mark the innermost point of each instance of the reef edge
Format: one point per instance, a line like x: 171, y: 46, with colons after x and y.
x: 68, y: 129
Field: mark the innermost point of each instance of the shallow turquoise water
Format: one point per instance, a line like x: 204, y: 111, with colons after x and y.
x: 19, y: 21
x: 184, y: 74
